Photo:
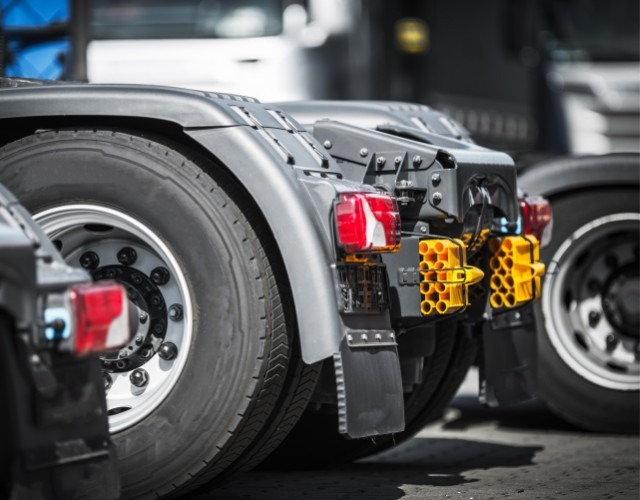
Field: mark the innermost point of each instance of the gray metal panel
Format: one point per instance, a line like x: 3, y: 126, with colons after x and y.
x: 566, y: 174
x: 184, y: 107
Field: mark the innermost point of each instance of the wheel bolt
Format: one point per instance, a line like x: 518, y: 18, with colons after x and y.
x: 594, y: 318
x: 143, y: 316
x: 175, y: 312
x: 89, y: 260
x: 158, y: 328
x: 139, y: 339
x: 168, y: 351
x: 139, y: 377
x: 612, y: 342
x: 156, y: 300
x: 127, y: 256
x: 123, y: 353
x: 160, y: 275
x: 136, y: 278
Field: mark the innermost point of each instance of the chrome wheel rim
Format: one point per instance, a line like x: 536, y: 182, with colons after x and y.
x: 590, y: 301
x: 139, y: 377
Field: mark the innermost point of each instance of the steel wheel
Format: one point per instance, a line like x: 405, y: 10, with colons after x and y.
x: 113, y: 245
x: 591, y: 301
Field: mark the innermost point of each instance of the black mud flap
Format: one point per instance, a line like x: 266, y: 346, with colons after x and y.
x: 370, y: 398
x: 508, y: 358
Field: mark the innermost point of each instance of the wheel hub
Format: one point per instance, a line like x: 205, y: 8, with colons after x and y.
x: 148, y: 298
x: 621, y: 300
x: 112, y: 245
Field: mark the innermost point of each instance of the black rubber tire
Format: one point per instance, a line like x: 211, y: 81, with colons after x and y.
x: 239, y: 367
x: 315, y: 441
x: 580, y: 401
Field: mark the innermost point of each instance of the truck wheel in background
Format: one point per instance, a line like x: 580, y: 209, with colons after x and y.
x: 588, y: 318
x: 199, y: 383
x: 315, y: 441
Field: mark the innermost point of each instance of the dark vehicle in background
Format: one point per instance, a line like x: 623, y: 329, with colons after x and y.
x: 557, y: 85
x: 54, y: 435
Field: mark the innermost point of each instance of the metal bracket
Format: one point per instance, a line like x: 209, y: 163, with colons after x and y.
x: 371, y: 338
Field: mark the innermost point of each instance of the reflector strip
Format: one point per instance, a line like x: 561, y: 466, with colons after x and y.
x: 368, y: 222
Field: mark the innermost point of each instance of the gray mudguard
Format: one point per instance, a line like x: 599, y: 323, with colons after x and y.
x: 283, y: 168
x: 588, y: 172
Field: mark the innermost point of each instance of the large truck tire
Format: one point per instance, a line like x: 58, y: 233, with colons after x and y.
x: 199, y: 385
x: 588, y: 328
x: 315, y: 441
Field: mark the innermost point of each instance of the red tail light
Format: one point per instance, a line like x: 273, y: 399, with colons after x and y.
x: 537, y: 218
x: 100, y: 314
x: 368, y: 222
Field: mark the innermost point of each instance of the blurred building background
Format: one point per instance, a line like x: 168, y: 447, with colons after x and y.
x: 533, y: 77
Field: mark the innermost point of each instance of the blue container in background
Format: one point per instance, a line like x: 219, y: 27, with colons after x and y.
x: 44, y: 59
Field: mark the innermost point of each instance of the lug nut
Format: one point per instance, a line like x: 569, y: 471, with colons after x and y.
x: 594, y: 318
x: 156, y: 300
x: 143, y: 316
x: 89, y: 260
x: 139, y: 339
x: 139, y: 377
x: 168, y: 351
x: 175, y: 312
x: 160, y: 275
x: 136, y: 278
x: 612, y: 342
x: 127, y: 256
x: 158, y: 328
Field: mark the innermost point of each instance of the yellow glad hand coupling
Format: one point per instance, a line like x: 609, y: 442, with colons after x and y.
x: 446, y: 277
x: 515, y: 271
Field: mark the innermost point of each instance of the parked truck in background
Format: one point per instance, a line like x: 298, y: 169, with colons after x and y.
x: 323, y: 271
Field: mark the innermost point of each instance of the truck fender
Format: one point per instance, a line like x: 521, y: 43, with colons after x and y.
x: 568, y: 174
x: 211, y: 120
x: 286, y: 206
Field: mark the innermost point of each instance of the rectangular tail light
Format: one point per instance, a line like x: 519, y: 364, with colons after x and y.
x: 537, y: 219
x: 368, y: 222
x: 100, y: 317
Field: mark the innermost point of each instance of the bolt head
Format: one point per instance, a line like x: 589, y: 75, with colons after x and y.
x: 139, y: 377
x: 364, y: 152
x: 381, y: 161
x: 89, y: 260
x: 436, y: 198
x: 436, y: 179
x: 594, y: 318
x: 417, y: 160
x: 327, y: 144
x: 168, y: 351
x: 175, y: 312
x: 127, y: 256
x: 160, y: 275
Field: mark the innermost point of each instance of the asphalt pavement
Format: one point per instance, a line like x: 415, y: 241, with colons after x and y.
x: 474, y: 453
